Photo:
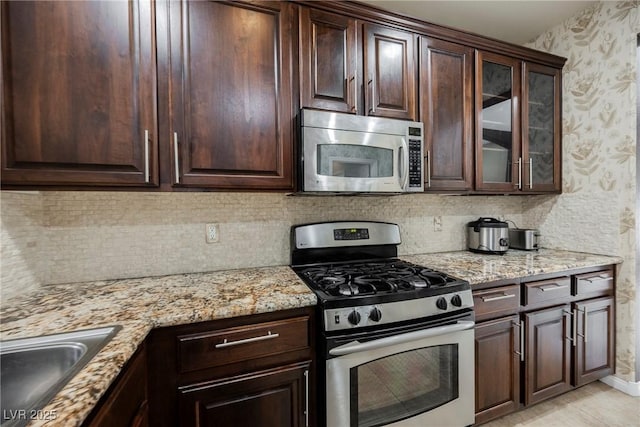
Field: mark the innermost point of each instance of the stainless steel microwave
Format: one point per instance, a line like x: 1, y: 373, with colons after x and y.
x: 348, y: 153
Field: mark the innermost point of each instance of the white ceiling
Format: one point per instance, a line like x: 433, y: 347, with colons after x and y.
x: 515, y: 21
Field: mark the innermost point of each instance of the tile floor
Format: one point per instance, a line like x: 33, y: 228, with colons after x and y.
x: 595, y: 404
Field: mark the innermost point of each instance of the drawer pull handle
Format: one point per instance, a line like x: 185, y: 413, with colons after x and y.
x: 553, y: 287
x: 599, y: 277
x: 498, y: 297
x: 226, y: 343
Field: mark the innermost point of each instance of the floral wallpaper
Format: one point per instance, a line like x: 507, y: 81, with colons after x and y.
x: 599, y: 153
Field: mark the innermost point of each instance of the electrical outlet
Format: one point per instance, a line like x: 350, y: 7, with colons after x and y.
x: 437, y: 223
x: 212, y: 233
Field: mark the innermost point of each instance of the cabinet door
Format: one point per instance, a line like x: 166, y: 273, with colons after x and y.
x: 125, y: 404
x: 232, y: 121
x: 541, y: 128
x: 274, y: 398
x: 547, y: 353
x: 328, y: 67
x: 78, y: 93
x: 498, y: 157
x: 594, y: 340
x: 446, y: 82
x: 497, y: 368
x: 389, y: 72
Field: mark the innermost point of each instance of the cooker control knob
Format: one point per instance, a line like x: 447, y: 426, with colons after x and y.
x: 375, y: 314
x: 456, y: 300
x: 441, y: 303
x: 354, y: 317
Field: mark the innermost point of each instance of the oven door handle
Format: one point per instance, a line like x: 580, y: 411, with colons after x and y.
x: 357, y: 346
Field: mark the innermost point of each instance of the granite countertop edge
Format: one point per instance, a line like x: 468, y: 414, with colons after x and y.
x: 141, y: 304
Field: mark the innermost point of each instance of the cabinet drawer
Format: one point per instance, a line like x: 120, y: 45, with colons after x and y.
x: 222, y: 347
x: 490, y: 303
x: 553, y: 291
x: 598, y: 283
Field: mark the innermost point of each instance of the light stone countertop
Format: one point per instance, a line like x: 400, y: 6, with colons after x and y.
x: 139, y: 305
x: 483, y: 268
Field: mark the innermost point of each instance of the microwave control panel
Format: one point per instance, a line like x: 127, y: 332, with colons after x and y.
x: 415, y: 163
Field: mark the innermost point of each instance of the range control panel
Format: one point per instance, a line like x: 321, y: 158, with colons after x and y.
x: 336, y: 319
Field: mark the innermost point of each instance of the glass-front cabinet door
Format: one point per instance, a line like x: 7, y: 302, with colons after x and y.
x: 541, y: 129
x: 498, y: 143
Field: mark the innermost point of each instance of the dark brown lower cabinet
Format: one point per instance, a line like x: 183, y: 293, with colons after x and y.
x: 547, y: 353
x: 497, y: 370
x: 125, y: 403
x: 272, y: 398
x: 594, y: 354
x: 255, y: 370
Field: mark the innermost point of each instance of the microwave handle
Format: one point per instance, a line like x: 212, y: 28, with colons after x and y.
x: 403, y: 161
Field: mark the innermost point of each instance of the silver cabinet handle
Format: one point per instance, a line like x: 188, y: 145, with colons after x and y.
x: 574, y: 317
x: 354, y: 107
x: 306, y: 398
x: 519, y: 173
x: 226, y: 343
x: 584, y: 329
x: 553, y: 287
x: 372, y: 101
x: 175, y: 156
x: 599, y: 277
x: 520, y: 350
x: 428, y: 168
x: 531, y: 173
x: 497, y: 297
x: 146, y: 155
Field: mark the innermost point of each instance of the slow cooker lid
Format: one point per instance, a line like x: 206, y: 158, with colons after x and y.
x: 485, y: 222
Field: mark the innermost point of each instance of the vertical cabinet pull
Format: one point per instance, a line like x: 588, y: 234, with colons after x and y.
x: 354, y: 102
x: 574, y: 317
x: 372, y: 100
x: 428, y: 168
x: 584, y: 328
x: 521, y: 352
x: 531, y: 172
x: 146, y: 155
x: 175, y: 156
x: 306, y: 398
x: 519, y: 173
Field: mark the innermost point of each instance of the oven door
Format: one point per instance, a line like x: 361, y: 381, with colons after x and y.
x: 418, y: 378
x: 347, y: 161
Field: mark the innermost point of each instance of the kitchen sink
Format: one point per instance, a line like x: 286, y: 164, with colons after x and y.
x: 34, y: 369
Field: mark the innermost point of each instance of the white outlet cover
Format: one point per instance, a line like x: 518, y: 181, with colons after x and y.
x: 212, y: 233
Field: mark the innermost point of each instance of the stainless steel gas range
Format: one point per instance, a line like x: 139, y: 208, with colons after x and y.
x: 396, y: 344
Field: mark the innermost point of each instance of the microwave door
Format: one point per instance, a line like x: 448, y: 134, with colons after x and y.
x: 344, y: 161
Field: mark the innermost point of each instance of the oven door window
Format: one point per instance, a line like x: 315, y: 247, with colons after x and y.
x: 354, y: 161
x: 403, y: 385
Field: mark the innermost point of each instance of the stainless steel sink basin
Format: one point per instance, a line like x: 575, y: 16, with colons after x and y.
x: 35, y: 369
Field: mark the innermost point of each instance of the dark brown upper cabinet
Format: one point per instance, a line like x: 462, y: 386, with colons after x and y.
x: 351, y: 67
x: 517, y: 125
x: 231, y: 83
x: 328, y: 61
x: 541, y: 132
x: 79, y: 93
x: 389, y: 72
x: 446, y: 109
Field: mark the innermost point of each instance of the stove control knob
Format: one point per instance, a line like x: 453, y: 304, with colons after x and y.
x: 354, y: 317
x: 456, y: 300
x: 441, y: 303
x: 375, y: 314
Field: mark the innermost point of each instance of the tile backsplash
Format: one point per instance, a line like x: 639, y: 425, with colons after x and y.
x: 59, y: 237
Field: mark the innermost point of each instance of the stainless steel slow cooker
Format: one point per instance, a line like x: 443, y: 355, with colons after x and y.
x: 488, y: 235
